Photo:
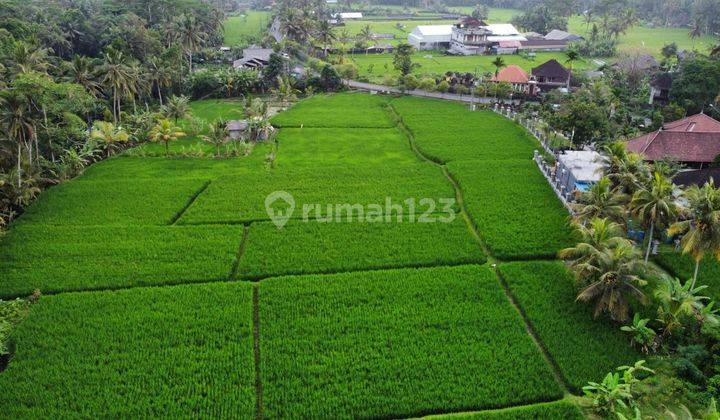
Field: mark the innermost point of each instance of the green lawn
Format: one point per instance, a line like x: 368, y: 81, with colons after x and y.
x: 253, y: 23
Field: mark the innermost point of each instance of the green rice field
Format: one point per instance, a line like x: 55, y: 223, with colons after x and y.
x: 376, y: 66
x: 411, y: 275
x: 250, y: 24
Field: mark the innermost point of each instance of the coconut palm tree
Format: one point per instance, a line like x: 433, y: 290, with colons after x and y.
x: 602, y: 201
x: 109, y: 135
x: 701, y: 229
x: 160, y: 76
x: 18, y: 124
x: 654, y: 204
x: 695, y: 32
x: 217, y: 135
x: 632, y: 174
x: 81, y: 70
x: 499, y: 63
x: 256, y: 111
x: 344, y: 38
x: 118, y: 78
x: 611, y: 157
x: 325, y: 35
x: 595, y: 237
x: 187, y: 30
x: 613, y: 278
x: 26, y: 58
x: 164, y: 131
x: 571, y: 56
x: 365, y: 35
x: 177, y: 107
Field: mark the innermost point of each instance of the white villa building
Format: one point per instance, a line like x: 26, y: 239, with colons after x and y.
x: 430, y: 37
x: 468, y: 36
x: 471, y: 36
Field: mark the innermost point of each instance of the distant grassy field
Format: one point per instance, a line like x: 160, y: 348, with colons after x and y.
x: 353, y: 27
x: 376, y: 66
x: 652, y: 39
x: 253, y: 23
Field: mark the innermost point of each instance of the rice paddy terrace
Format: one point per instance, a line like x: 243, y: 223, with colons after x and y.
x: 168, y: 291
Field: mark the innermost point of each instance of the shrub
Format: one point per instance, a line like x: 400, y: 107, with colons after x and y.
x: 443, y: 87
x: 427, y: 84
x: 347, y: 71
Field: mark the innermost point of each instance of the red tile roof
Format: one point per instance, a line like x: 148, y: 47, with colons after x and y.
x: 692, y: 139
x: 699, y: 123
x: 512, y: 74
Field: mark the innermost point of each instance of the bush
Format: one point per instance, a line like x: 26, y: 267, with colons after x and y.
x: 347, y: 71
x: 408, y: 82
x: 427, y: 84
x: 443, y: 86
x: 389, y: 80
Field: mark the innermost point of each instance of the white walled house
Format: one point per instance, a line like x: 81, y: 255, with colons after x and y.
x: 471, y: 36
x: 430, y: 37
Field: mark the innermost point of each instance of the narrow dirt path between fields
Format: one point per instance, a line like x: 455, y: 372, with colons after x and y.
x: 555, y: 368
x: 189, y: 203
x: 240, y: 252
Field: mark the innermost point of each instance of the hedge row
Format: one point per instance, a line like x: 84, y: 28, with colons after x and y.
x: 233, y: 198
x: 348, y: 110
x: 584, y: 348
x: 170, y: 352
x: 514, y: 208
x: 315, y: 247
x: 395, y: 344
x: 449, y: 131
x: 56, y: 259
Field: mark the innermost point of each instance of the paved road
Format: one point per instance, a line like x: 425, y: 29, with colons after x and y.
x: 425, y: 94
